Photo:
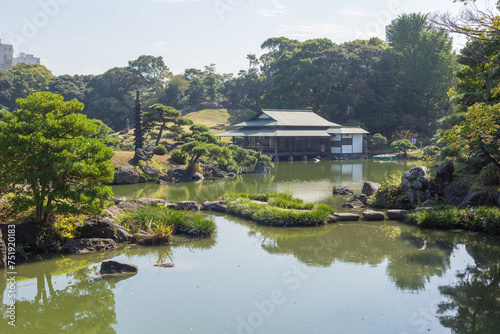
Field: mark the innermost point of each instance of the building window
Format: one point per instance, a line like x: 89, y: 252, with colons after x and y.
x: 336, y: 144
x: 346, y: 141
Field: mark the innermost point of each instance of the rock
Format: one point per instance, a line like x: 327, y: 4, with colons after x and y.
x: 218, y: 206
x: 111, y: 212
x: 179, y: 175
x: 396, y: 214
x: 149, y: 148
x: 370, y: 215
x: 150, y: 201
x: 164, y: 265
x: 370, y: 188
x: 161, y: 182
x: 27, y: 234
x: 332, y: 219
x: 140, y: 155
x: 231, y: 174
x: 456, y: 200
x: 118, y: 200
x: 142, y: 179
x: 455, y: 189
x: 415, y: 183
x: 3, y: 252
x: 477, y: 198
x: 105, y: 228
x: 172, y: 206
x: 261, y: 168
x: 78, y: 246
x: 362, y: 197
x: 344, y: 216
x: 353, y: 204
x: 197, y: 177
x: 208, y: 169
x: 189, y: 205
x: 151, y: 173
x: 220, y: 173
x: 496, y: 198
x: 444, y: 173
x: 430, y: 202
x: 344, y: 191
x: 129, y: 206
x: 48, y: 246
x: 113, y: 268
x: 126, y: 175
x: 424, y: 208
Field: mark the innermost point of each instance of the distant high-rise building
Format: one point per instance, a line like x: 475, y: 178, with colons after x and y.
x: 6, y: 56
x: 387, y: 29
x: 25, y: 58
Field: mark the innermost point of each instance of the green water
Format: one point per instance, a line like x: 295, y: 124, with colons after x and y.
x: 356, y: 277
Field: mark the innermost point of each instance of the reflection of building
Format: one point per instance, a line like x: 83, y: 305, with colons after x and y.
x: 6, y: 56
x: 283, y: 133
x: 26, y: 58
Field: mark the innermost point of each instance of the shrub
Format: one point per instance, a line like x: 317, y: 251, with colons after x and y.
x: 179, y: 157
x: 281, y: 210
x: 431, y: 150
x: 183, y: 222
x: 160, y: 150
x: 480, y: 219
x: 489, y: 175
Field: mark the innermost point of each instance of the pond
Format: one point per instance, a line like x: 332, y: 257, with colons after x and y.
x: 356, y: 277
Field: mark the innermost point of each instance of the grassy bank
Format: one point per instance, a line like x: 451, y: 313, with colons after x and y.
x: 477, y: 219
x: 156, y: 219
x: 280, y: 210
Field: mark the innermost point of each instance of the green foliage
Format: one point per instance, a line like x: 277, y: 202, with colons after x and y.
x: 451, y: 152
x: 490, y: 175
x: 160, y: 150
x: 403, y: 145
x: 424, y: 66
x: 169, y: 118
x: 184, y: 222
x: 480, y: 219
x: 53, y: 147
x: 431, y: 150
x: 281, y: 210
x: 390, y: 194
x: 179, y: 157
x: 149, y: 70
x: 378, y: 140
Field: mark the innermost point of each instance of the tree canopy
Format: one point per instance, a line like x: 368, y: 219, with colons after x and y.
x: 48, y: 146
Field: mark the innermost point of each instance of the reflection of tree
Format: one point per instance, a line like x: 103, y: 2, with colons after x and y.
x: 84, y: 306
x: 413, y: 256
x: 474, y: 300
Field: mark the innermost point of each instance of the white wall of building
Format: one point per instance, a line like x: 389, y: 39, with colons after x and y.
x: 357, y: 143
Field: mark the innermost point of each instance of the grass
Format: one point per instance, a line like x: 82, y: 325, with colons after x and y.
x: 156, y: 219
x: 279, y: 210
x: 477, y: 219
x: 214, y: 119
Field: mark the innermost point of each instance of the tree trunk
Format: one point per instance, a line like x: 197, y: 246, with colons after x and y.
x: 160, y: 134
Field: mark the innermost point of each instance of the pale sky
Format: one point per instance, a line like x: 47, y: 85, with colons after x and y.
x: 92, y: 36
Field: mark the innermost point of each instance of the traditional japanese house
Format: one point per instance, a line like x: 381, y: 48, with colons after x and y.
x: 297, y: 133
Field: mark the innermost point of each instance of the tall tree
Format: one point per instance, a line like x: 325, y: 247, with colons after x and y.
x: 150, y: 70
x: 424, y: 65
x: 169, y: 119
x: 29, y: 79
x: 47, y: 144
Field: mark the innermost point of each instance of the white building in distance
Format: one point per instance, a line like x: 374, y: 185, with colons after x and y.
x: 6, y: 56
x: 7, y: 60
x: 25, y: 58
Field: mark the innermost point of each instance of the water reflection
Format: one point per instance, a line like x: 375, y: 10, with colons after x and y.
x: 473, y: 304
x: 307, y: 180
